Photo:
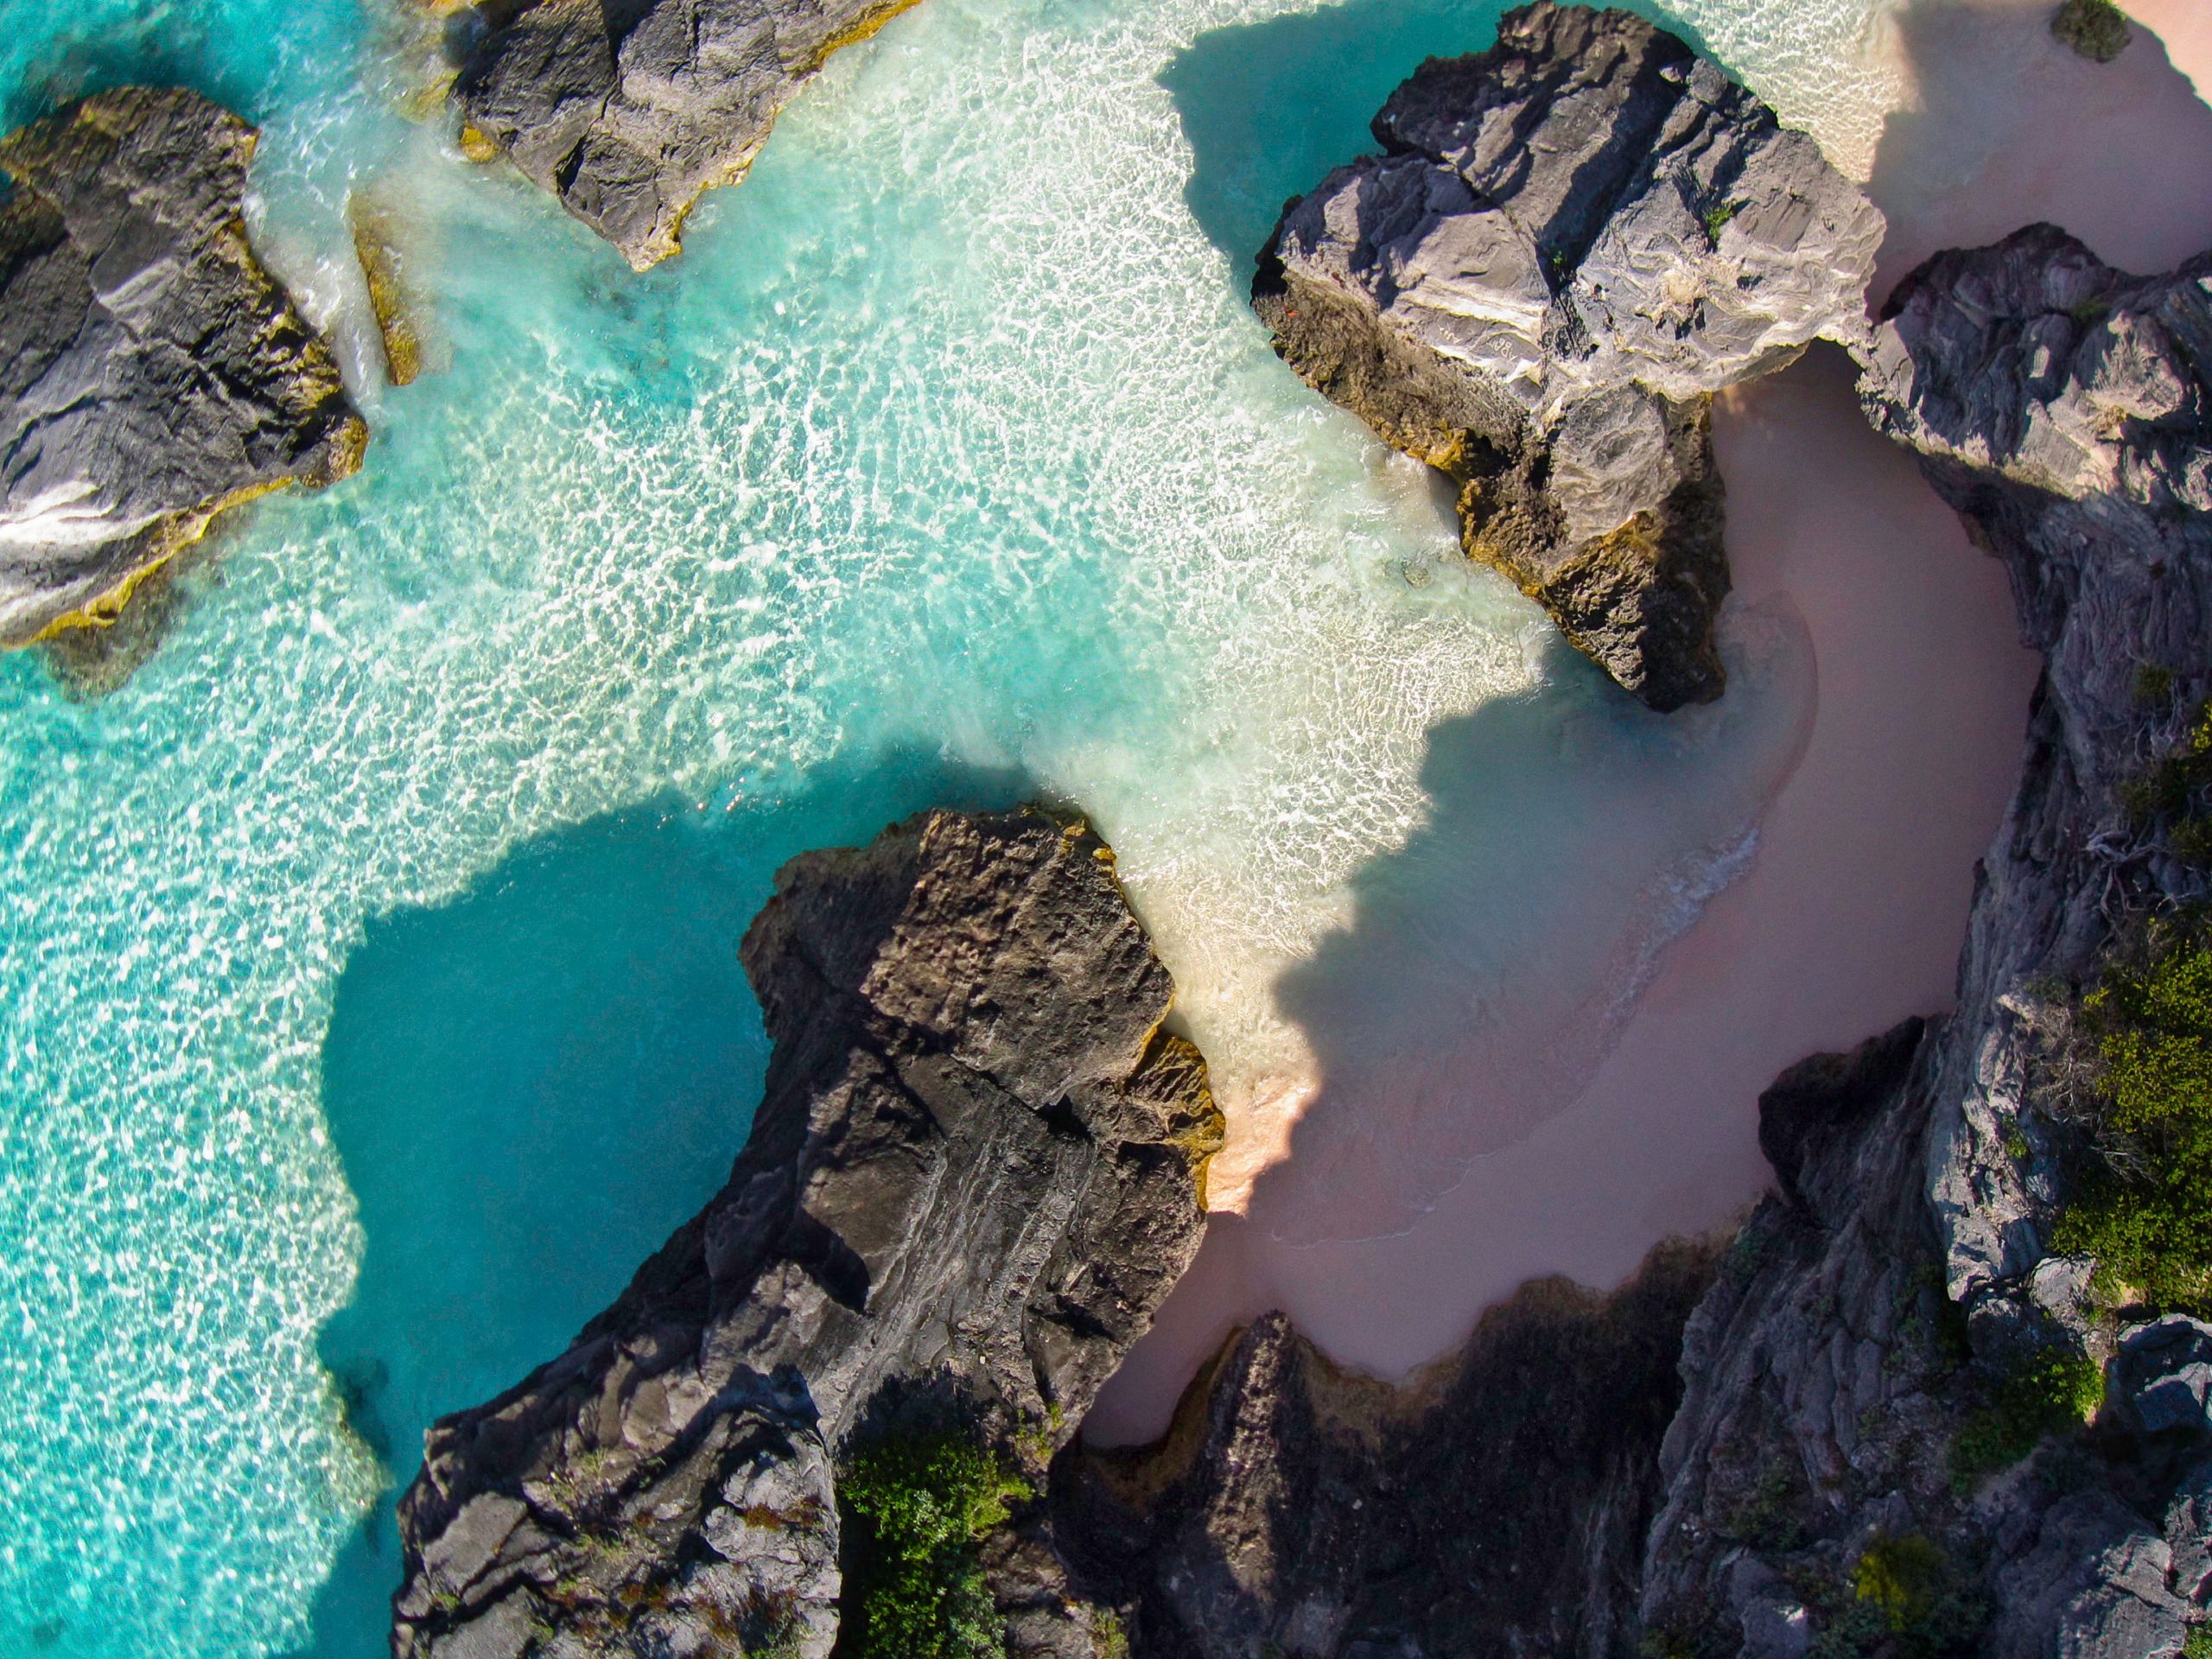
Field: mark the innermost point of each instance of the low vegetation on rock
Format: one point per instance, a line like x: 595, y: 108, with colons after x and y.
x: 2144, y: 1208
x: 2055, y: 1392
x: 917, y: 1508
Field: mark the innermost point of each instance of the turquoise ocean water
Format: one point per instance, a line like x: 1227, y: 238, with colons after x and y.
x: 369, y: 1004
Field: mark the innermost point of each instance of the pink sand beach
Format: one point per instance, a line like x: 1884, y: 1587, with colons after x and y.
x: 1851, y: 915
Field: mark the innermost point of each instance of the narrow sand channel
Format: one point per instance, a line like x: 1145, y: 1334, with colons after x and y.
x: 1851, y: 914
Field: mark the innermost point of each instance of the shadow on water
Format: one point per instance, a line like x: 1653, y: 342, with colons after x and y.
x: 1268, y: 108
x: 226, y: 57
x: 1488, y: 962
x: 531, y: 1086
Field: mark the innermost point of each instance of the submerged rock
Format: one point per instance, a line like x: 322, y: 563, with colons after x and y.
x: 151, y: 372
x: 629, y: 111
x: 977, y: 1170
x: 1570, y: 243
x: 393, y: 300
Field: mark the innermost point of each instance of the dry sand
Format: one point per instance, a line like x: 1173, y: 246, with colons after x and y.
x: 1851, y: 914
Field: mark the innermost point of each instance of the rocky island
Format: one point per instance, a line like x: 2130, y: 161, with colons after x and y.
x: 978, y: 1168
x: 1569, y: 244
x: 151, y: 372
x: 628, y: 113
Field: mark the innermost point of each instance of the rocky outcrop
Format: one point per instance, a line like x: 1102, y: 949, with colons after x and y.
x: 1497, y: 1506
x: 1890, y: 1439
x: 151, y: 373
x: 1905, y: 1293
x: 2065, y: 408
x: 1569, y: 244
x: 628, y: 111
x: 977, y: 1169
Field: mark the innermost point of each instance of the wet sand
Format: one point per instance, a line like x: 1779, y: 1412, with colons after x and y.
x: 1851, y: 917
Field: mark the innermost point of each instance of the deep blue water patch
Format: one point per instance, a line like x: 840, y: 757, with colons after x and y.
x: 531, y: 1086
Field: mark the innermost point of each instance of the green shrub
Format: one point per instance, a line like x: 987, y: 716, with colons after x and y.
x: 917, y: 1508
x: 2056, y: 1392
x: 1717, y: 217
x: 1905, y: 1600
x: 2095, y: 28
x: 2199, y: 1644
x: 2144, y: 1211
x: 1902, y: 1577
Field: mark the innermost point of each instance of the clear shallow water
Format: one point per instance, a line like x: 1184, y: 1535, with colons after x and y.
x: 370, y: 1000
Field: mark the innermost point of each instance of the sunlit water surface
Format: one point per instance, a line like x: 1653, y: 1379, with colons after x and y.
x: 368, y: 1002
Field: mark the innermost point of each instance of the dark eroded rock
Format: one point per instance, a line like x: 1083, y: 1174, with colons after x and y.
x: 977, y: 1170
x: 1497, y: 1506
x: 629, y: 111
x: 1570, y: 243
x: 151, y: 373
x: 1896, y: 1310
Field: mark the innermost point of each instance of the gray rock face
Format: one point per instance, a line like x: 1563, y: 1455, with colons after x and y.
x: 628, y: 111
x: 2061, y: 407
x: 1569, y: 244
x: 1497, y: 1507
x: 2162, y: 1377
x: 977, y: 1170
x: 151, y: 373
x: 2065, y: 408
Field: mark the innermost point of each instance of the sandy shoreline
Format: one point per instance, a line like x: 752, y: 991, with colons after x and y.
x: 1851, y: 914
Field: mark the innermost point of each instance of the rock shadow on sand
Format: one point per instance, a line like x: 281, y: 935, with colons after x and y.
x: 1490, y: 963
x: 532, y: 1085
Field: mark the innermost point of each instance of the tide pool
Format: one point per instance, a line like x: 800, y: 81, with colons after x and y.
x: 369, y: 1006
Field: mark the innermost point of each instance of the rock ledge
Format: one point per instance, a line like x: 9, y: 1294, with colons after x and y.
x: 151, y: 372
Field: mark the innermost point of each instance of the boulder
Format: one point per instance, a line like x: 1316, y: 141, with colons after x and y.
x: 2162, y: 1377
x: 1569, y: 244
x: 152, y: 374
x: 977, y: 1168
x: 628, y: 111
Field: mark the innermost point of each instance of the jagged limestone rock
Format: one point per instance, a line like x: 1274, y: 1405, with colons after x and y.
x: 628, y: 111
x: 1496, y: 1505
x: 2065, y: 409
x: 151, y: 372
x: 1903, y: 1296
x: 1570, y: 243
x: 976, y: 1171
